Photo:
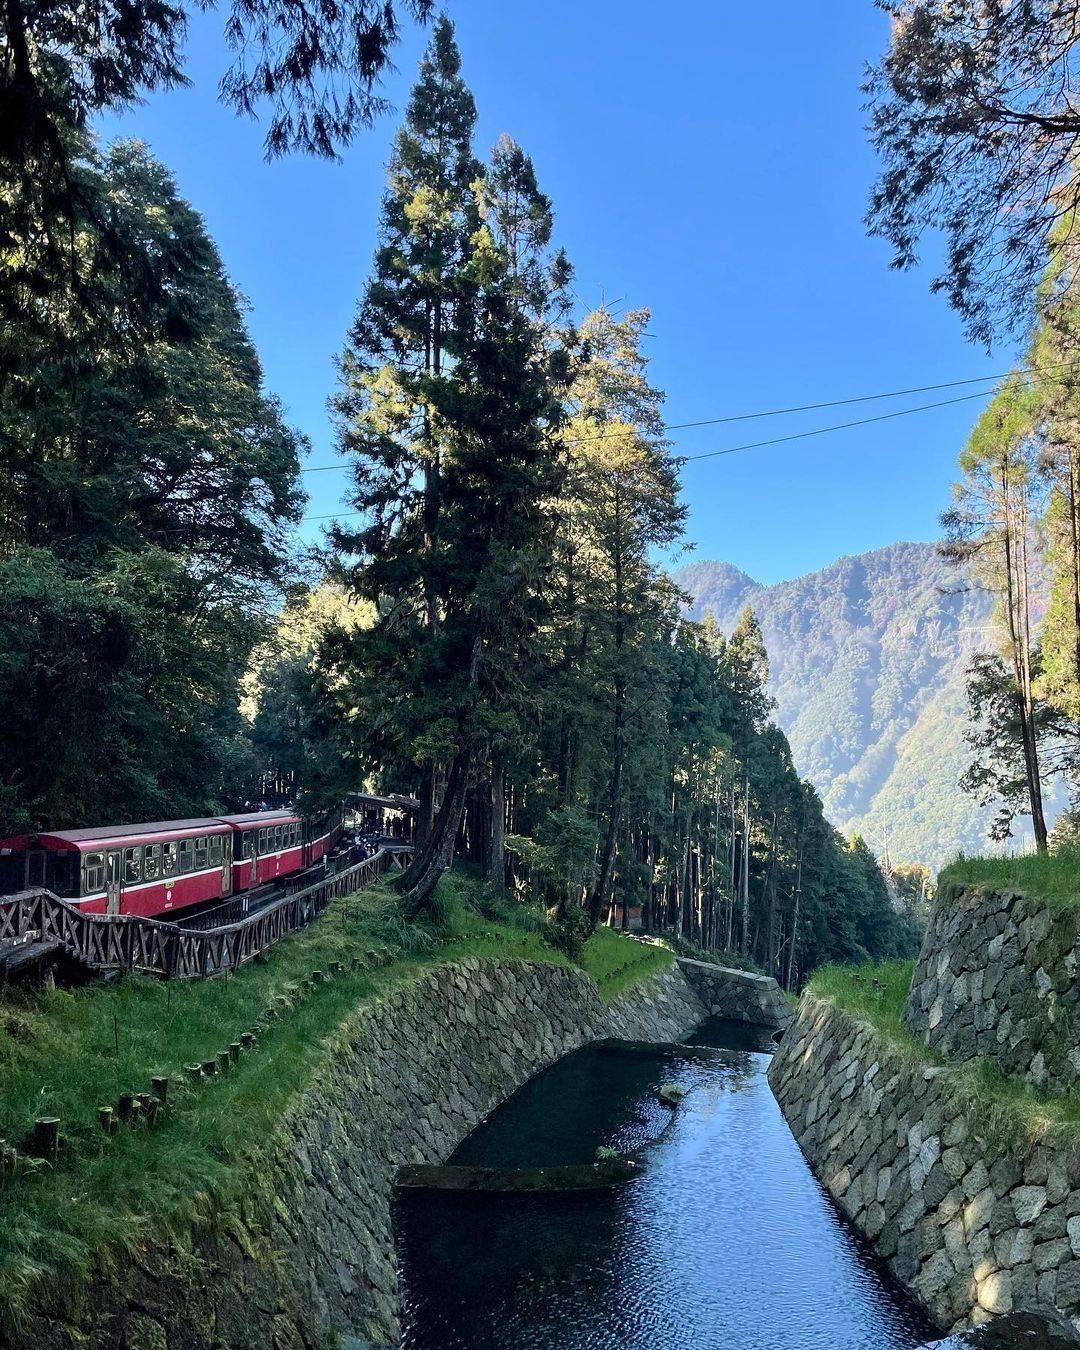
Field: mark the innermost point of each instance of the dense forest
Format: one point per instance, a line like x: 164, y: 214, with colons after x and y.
x: 524, y: 663
x: 495, y: 634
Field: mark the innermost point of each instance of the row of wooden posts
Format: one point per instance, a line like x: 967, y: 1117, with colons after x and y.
x: 45, y: 1144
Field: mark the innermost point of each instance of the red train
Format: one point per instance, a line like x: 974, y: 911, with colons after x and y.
x: 166, y: 865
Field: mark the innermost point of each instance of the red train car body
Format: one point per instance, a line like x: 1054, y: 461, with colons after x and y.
x: 164, y: 866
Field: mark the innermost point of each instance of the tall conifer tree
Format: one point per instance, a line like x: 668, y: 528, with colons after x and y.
x: 450, y: 400
x: 395, y: 400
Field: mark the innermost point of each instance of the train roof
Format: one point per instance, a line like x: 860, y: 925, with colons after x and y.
x: 155, y: 830
x: 124, y: 831
x: 120, y: 833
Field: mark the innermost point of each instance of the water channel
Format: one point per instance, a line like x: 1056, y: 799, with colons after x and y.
x: 724, y: 1242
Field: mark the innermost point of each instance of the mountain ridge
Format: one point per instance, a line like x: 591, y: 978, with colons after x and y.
x: 868, y: 659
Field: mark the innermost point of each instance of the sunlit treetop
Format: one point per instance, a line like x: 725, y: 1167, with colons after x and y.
x: 975, y: 116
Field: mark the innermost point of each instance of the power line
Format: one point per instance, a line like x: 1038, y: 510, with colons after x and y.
x: 758, y: 445
x: 839, y: 426
x: 803, y: 407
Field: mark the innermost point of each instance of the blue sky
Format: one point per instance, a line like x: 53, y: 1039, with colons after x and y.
x: 708, y: 162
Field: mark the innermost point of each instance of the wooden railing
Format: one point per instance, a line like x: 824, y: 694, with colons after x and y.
x: 124, y: 942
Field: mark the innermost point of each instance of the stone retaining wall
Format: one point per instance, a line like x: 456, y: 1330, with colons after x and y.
x: 662, y: 1008
x: 738, y: 995
x: 969, y: 1224
x: 996, y: 978
x: 411, y: 1075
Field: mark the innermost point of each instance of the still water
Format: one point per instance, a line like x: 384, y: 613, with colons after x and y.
x: 725, y: 1242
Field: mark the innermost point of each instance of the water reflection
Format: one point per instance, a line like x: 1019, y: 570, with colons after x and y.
x: 725, y: 1240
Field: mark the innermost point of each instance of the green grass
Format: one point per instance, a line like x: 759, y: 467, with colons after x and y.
x: 852, y: 989
x: 617, y: 962
x: 1008, y: 1110
x: 1053, y: 877
x: 65, y: 1053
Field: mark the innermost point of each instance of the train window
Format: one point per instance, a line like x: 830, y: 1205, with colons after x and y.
x: 93, y: 873
x: 215, y: 850
x: 132, y: 865
x: 168, y: 860
x: 201, y: 851
x: 245, y: 844
x: 187, y: 855
x: 65, y: 874
x: 277, y: 838
x: 152, y: 862
x: 262, y: 839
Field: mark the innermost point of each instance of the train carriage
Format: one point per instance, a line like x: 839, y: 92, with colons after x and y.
x: 145, y: 869
x: 268, y: 845
x: 155, y: 869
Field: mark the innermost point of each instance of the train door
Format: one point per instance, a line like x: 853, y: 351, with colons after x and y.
x: 35, y: 868
x: 114, y: 881
x: 226, y: 863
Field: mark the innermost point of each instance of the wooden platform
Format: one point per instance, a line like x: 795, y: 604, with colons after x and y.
x: 18, y: 958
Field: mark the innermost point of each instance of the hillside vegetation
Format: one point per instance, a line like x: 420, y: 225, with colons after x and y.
x: 867, y: 666
x: 66, y: 1053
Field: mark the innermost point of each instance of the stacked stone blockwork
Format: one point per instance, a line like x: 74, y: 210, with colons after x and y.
x: 972, y: 1222
x: 312, y: 1255
x: 738, y: 995
x: 996, y: 979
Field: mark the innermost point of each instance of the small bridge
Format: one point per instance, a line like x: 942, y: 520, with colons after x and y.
x: 123, y: 942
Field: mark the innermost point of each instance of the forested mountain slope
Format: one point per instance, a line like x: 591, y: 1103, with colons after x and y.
x: 868, y: 661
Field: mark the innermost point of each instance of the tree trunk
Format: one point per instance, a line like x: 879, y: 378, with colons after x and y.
x: 770, y: 900
x: 744, y: 945
x: 1019, y: 620
x: 729, y: 907
x: 426, y: 814
x: 495, y: 854
x: 598, y: 894
x: 438, y: 854
x: 648, y: 917
x: 1074, y: 544
x: 795, y: 917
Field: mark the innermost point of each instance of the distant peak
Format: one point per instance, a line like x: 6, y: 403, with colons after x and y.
x: 719, y: 570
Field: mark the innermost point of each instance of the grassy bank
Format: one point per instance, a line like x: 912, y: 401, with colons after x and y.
x: 1008, y: 1109
x: 65, y: 1053
x: 617, y: 963
x: 1053, y: 877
